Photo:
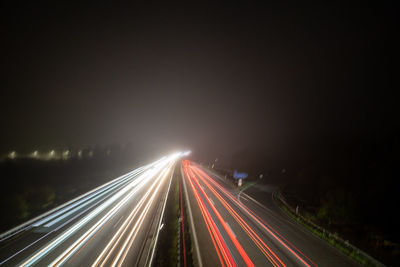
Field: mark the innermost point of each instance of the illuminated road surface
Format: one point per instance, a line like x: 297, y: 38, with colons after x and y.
x: 234, y: 230
x: 115, y: 224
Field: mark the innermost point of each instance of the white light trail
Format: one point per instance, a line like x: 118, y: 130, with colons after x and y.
x: 119, y: 259
x: 137, y: 184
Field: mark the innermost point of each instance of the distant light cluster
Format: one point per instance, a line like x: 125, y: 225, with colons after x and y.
x: 65, y: 154
x: 51, y: 154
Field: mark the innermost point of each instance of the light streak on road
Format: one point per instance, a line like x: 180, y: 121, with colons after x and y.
x: 289, y: 246
x: 79, y: 202
x: 137, y: 183
x: 266, y: 250
x: 47, y: 216
x: 111, y: 246
x: 87, y: 198
x: 82, y: 218
x: 227, y: 229
x: 119, y: 259
x: 224, y: 255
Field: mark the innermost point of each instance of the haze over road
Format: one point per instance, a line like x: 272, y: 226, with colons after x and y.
x: 116, y: 224
x: 233, y: 229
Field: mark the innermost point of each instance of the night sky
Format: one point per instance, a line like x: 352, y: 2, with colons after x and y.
x: 211, y: 78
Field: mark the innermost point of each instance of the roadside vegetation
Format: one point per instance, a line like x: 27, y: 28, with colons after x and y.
x: 332, y: 238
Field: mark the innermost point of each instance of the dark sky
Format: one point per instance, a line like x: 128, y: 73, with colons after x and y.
x: 212, y: 78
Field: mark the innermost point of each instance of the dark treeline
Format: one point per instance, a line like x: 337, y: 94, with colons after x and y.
x: 344, y: 184
x: 29, y: 187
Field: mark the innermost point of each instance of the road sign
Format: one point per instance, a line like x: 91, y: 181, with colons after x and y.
x: 239, y: 175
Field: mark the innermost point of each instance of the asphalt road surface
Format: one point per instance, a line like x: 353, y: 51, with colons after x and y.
x: 232, y: 228
x: 116, y: 224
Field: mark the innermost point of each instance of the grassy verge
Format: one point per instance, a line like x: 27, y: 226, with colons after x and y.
x: 333, y: 239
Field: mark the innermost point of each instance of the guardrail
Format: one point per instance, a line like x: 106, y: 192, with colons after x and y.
x: 349, y: 249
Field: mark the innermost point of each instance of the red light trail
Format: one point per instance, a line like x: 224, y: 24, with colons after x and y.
x: 194, y: 175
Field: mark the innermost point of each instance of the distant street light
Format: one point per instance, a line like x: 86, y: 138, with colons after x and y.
x: 12, y: 155
x: 65, y: 154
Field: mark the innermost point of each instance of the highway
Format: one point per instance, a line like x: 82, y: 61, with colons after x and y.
x: 232, y: 228
x: 116, y: 224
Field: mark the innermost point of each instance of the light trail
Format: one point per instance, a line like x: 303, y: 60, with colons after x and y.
x: 83, y: 221
x: 265, y: 249
x: 135, y: 172
x: 41, y: 219
x: 227, y: 229
x: 87, y: 196
x: 81, y: 241
x: 160, y: 224
x: 112, y: 244
x: 126, y: 190
x: 218, y: 242
x: 290, y: 247
x: 89, y: 201
x: 119, y: 259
